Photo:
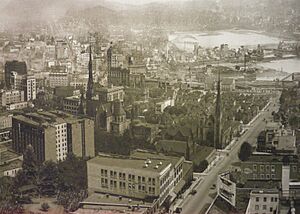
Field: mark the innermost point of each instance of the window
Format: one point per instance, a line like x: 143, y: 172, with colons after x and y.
x: 254, y: 168
x: 262, y: 176
x: 267, y: 168
x: 265, y: 199
x: 257, y: 199
x: 272, y: 168
x: 264, y: 207
x: 275, y: 199
x: 267, y: 176
x: 271, y: 209
x: 256, y: 207
x: 272, y: 199
x: 273, y: 176
x: 262, y: 167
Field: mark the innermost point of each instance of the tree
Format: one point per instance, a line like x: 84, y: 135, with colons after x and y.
x: 29, y: 165
x: 45, y: 207
x: 69, y: 178
x: 245, y: 151
x: 202, y: 166
x: 48, y: 178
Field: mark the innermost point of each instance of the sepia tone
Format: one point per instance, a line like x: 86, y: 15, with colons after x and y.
x: 150, y: 106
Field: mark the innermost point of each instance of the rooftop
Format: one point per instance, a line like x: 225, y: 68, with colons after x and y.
x: 47, y: 118
x: 110, y: 204
x: 156, y: 163
x: 268, y: 157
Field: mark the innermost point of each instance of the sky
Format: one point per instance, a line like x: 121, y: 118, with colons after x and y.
x: 137, y: 2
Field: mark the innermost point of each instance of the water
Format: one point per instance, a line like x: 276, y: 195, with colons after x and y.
x: 287, y: 66
x: 234, y: 38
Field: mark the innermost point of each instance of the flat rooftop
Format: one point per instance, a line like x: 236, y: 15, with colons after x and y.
x: 137, y: 161
x: 287, y: 142
x: 269, y: 158
x: 47, y: 118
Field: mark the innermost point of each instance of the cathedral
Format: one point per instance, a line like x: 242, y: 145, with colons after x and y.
x: 108, y: 113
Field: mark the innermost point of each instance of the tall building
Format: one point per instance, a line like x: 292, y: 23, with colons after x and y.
x: 218, y: 117
x: 30, y: 88
x: 16, y: 66
x: 25, y: 83
x: 53, y: 135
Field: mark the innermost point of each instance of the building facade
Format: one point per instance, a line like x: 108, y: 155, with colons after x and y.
x: 143, y: 175
x: 53, y: 135
x: 13, y: 66
x: 263, y: 202
x: 11, y: 97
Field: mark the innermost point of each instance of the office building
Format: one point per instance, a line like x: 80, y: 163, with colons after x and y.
x: 110, y: 94
x: 53, y: 135
x: 14, y: 66
x: 58, y: 79
x: 11, y: 97
x: 142, y: 175
x: 263, y: 202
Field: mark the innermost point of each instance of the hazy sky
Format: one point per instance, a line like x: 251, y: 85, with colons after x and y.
x: 142, y: 1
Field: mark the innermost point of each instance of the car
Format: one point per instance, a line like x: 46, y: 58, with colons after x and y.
x: 193, y: 192
x: 178, y: 210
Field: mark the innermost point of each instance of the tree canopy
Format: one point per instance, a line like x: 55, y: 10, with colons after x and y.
x: 245, y: 151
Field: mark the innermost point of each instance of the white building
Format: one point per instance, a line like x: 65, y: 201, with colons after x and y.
x: 61, y: 141
x: 30, y: 88
x: 263, y: 202
x: 142, y: 175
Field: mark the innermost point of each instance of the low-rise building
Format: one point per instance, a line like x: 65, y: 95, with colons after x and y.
x: 142, y: 175
x: 71, y: 104
x: 266, y: 167
x: 10, y: 162
x: 11, y: 97
x: 110, y: 94
x: 263, y: 202
x: 5, y: 126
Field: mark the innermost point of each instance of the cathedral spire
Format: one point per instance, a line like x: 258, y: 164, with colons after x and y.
x: 218, y: 117
x: 89, y: 93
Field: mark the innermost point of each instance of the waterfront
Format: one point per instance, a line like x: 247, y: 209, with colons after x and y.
x: 234, y: 38
x: 278, y: 69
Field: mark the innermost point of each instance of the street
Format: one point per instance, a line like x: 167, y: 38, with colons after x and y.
x: 196, y: 203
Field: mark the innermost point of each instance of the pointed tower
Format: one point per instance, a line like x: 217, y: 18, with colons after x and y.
x: 89, y: 92
x: 218, y: 117
x: 109, y: 58
x: 90, y: 108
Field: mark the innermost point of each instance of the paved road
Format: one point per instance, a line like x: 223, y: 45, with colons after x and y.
x: 195, y: 204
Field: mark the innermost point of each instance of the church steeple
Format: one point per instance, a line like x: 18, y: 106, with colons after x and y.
x: 89, y: 93
x: 218, y: 117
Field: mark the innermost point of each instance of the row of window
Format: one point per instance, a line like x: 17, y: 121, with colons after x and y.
x: 264, y: 207
x: 263, y: 168
x: 122, y: 185
x: 263, y: 176
x: 265, y: 199
x: 122, y: 176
